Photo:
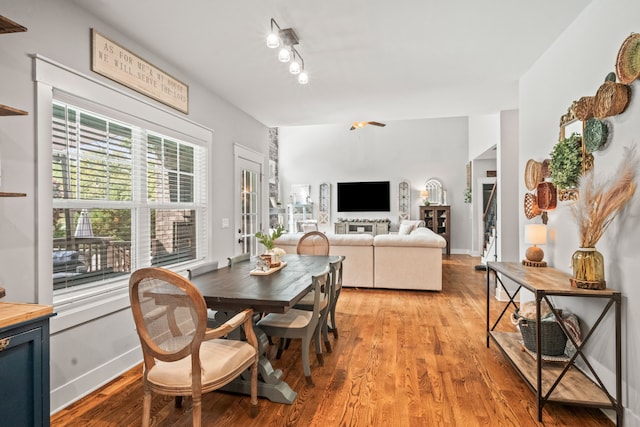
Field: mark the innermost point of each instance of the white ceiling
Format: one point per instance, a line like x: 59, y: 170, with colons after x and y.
x: 367, y: 59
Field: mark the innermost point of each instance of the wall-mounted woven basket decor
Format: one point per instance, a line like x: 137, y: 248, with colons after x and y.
x: 628, y: 60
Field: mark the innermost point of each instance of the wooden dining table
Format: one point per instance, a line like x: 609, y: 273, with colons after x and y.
x: 232, y: 289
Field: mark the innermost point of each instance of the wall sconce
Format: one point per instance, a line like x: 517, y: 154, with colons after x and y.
x: 287, y: 39
x: 535, y: 234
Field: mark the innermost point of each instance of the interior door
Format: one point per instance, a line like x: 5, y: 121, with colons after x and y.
x: 249, y: 200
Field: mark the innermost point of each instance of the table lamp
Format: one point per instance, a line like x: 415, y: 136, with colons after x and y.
x: 535, y: 234
x: 425, y: 195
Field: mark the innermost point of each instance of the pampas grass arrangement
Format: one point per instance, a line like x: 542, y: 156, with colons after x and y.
x: 601, y: 200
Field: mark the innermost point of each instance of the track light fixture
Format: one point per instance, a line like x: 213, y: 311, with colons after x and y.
x: 286, y: 40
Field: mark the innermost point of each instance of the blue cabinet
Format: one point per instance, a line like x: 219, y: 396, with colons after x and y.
x: 24, y: 365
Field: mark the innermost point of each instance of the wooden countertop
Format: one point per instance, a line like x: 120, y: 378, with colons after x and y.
x: 12, y: 312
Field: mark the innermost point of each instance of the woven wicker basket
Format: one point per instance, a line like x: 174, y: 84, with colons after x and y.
x: 532, y: 174
x: 628, y: 60
x: 531, y: 209
x: 584, y: 108
x: 611, y: 99
x: 547, y: 196
x: 553, y: 339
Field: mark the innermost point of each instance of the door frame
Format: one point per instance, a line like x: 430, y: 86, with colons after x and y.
x: 479, y: 210
x: 248, y: 154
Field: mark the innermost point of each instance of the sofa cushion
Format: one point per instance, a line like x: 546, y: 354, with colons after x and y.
x: 408, y: 225
x: 421, y: 237
x: 350, y: 239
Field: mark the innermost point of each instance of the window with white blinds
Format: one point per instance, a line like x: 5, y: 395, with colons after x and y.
x: 124, y: 197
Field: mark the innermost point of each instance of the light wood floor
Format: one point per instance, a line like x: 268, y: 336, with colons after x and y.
x: 403, y: 358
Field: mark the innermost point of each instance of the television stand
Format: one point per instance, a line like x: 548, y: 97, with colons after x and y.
x: 362, y: 227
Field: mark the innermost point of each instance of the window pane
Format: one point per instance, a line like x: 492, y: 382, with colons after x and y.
x: 173, y: 234
x: 90, y: 245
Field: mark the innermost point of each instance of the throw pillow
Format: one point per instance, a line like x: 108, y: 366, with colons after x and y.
x: 309, y: 227
x: 405, y: 228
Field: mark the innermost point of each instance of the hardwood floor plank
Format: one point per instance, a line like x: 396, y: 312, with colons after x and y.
x: 403, y: 358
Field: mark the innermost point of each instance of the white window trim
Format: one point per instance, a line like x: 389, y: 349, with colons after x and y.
x: 79, y: 305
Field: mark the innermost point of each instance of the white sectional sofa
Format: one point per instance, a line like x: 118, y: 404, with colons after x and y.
x: 394, y: 261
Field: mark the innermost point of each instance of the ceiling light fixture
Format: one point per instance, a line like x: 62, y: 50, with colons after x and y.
x: 287, y: 39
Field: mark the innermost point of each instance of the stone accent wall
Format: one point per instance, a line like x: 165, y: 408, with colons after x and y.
x: 274, y: 185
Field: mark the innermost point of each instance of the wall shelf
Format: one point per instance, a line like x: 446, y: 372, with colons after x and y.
x: 8, y: 26
x: 5, y: 110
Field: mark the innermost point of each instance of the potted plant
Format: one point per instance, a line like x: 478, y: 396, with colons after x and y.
x: 268, y: 241
x: 566, y: 162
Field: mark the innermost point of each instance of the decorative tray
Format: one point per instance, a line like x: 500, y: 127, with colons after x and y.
x: 257, y: 272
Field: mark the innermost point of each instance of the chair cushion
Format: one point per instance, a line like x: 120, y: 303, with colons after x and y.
x: 218, y: 358
x: 293, y: 318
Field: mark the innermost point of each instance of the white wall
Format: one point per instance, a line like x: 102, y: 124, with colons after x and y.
x: 484, y: 133
x: 508, y: 199
x: 415, y: 150
x: 83, y: 356
x: 573, y: 67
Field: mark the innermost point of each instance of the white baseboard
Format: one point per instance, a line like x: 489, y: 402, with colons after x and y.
x: 79, y: 387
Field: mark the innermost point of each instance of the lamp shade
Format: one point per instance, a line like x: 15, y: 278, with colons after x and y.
x: 294, y: 67
x: 535, y: 234
x: 424, y: 193
x: 273, y: 41
x: 284, y: 55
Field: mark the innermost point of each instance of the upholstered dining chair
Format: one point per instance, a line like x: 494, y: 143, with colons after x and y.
x: 238, y: 258
x: 181, y: 356
x: 301, y: 324
x: 198, y: 271
x: 313, y: 243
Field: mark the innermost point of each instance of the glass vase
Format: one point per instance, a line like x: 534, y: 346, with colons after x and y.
x: 588, y: 269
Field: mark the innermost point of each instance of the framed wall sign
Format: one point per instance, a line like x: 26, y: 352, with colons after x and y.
x: 115, y: 62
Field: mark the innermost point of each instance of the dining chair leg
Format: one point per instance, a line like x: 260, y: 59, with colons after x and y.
x: 325, y: 335
x: 146, y: 408
x: 197, y: 411
x: 254, y: 389
x: 333, y: 329
x: 306, y: 342
x: 316, y: 340
x: 323, y: 329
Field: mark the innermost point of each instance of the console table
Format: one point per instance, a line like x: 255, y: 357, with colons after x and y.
x: 565, y: 382
x: 362, y: 227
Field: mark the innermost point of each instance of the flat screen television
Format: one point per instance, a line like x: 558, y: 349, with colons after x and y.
x: 372, y: 196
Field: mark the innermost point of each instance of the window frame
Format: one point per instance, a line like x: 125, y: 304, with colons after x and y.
x: 74, y: 136
x: 55, y: 81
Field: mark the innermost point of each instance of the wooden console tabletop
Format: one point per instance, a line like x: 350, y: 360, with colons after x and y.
x: 12, y: 312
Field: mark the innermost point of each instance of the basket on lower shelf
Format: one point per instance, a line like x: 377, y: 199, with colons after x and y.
x: 553, y: 339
